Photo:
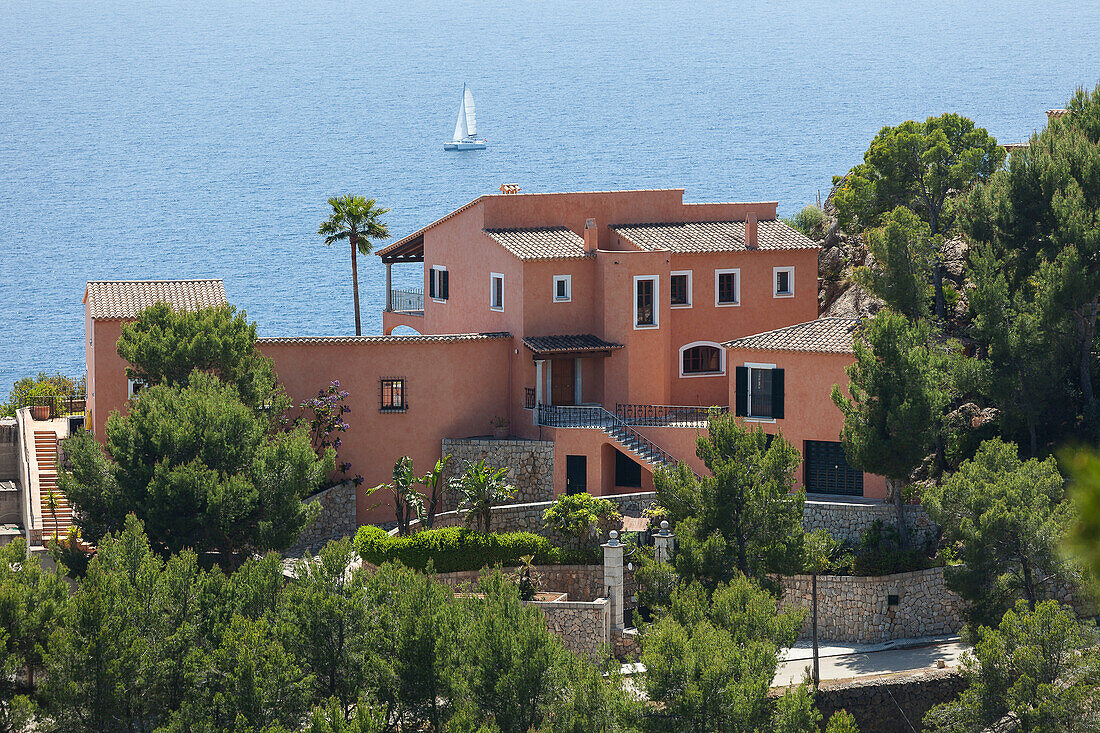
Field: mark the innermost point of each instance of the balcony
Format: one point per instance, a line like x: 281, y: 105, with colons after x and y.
x: 408, y: 302
x: 666, y: 416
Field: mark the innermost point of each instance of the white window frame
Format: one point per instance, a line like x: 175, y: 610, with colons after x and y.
x: 674, y: 273
x: 775, y: 282
x: 568, y: 280
x: 721, y: 360
x: 493, y: 277
x: 656, y: 302
x: 736, y: 272
x: 439, y: 268
x: 140, y: 384
x: 748, y: 392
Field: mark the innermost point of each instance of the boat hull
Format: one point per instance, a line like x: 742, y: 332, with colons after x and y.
x: 465, y: 145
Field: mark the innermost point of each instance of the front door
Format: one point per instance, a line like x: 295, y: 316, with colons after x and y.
x: 562, y: 375
x: 576, y: 474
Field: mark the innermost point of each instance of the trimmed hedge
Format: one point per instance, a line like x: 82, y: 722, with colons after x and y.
x: 450, y: 549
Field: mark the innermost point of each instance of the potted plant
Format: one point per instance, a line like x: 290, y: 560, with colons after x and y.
x: 500, y: 427
x: 45, y: 398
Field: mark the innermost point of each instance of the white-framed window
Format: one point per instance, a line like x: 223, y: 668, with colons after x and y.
x: 702, y: 359
x: 563, y: 288
x: 647, y: 309
x: 133, y: 386
x: 679, y: 289
x: 496, y: 291
x: 439, y: 284
x: 783, y: 282
x: 727, y: 287
x: 760, y: 392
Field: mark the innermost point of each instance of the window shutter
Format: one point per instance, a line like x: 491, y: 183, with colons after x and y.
x: 431, y: 282
x: 444, y: 284
x: 741, y: 386
x: 777, y: 393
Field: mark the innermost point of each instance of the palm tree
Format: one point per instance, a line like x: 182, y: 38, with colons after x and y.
x: 356, y: 219
x: 480, y: 488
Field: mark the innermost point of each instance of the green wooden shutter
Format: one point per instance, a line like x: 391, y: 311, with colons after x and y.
x: 444, y: 284
x: 431, y: 282
x: 777, y: 393
x: 741, y: 408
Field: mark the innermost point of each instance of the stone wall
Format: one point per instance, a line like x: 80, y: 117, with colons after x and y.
x: 530, y: 464
x: 584, y: 628
x: 851, y: 608
x: 892, y: 703
x: 578, y: 582
x: 9, y: 465
x: 847, y: 520
x: 336, y: 521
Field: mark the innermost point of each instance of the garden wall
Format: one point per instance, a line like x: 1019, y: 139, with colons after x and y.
x: 584, y: 627
x: 578, y: 582
x: 336, y: 520
x: 530, y: 464
x: 847, y: 520
x: 858, y: 609
x: 891, y: 703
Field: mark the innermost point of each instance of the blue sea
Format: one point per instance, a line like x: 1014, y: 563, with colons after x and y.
x: 198, y: 138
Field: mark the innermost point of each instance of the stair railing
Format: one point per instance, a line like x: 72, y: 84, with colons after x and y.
x: 594, y: 416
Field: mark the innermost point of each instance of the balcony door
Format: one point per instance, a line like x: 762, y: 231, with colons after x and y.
x: 562, y: 381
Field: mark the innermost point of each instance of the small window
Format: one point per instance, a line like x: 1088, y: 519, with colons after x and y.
x: 393, y: 394
x: 784, y: 282
x: 727, y: 287
x: 496, y: 291
x: 133, y: 386
x: 680, y: 289
x: 438, y: 283
x: 563, y: 288
x: 760, y: 392
x: 645, y: 302
x: 702, y: 359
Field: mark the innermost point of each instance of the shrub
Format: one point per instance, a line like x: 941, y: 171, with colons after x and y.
x: 582, y: 517
x: 809, y: 221
x: 450, y: 549
x: 879, y: 552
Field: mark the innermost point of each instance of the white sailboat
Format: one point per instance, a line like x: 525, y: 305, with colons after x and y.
x: 465, y: 137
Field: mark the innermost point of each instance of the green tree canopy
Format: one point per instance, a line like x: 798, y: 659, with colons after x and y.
x: 904, y: 255
x: 163, y: 346
x: 922, y: 166
x: 1037, y: 672
x: 1007, y: 517
x: 358, y: 220
x: 891, y: 414
x: 200, y: 468
x: 746, y: 517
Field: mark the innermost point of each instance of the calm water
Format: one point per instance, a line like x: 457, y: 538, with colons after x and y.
x: 144, y: 139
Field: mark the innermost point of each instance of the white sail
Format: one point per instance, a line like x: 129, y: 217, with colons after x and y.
x: 461, y: 130
x: 471, y: 118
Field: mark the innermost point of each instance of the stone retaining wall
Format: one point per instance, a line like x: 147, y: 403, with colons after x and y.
x: 852, y: 608
x: 530, y: 464
x: 893, y: 703
x: 579, y: 582
x: 584, y: 628
x: 847, y: 520
x: 336, y: 521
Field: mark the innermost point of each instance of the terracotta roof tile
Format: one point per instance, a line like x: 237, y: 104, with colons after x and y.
x: 412, y: 338
x: 824, y: 335
x: 540, y: 243
x: 112, y: 299
x: 713, y: 236
x: 576, y: 342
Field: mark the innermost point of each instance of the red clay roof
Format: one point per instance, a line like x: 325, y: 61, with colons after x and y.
x: 577, y: 342
x: 412, y: 338
x: 713, y: 236
x: 540, y: 243
x: 115, y: 299
x: 824, y: 335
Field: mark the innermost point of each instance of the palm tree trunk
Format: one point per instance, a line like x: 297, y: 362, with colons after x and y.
x: 355, y: 281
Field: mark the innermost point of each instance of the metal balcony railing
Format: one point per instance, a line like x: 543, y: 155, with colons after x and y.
x: 666, y: 415
x: 404, y: 301
x: 594, y: 416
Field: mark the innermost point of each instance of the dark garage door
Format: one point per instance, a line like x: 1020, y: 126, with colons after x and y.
x: 828, y: 472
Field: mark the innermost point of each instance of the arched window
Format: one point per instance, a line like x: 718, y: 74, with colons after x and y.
x: 702, y: 358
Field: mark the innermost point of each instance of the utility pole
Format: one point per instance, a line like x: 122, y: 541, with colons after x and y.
x: 817, y: 671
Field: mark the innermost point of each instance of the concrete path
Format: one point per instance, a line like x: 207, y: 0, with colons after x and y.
x: 849, y: 662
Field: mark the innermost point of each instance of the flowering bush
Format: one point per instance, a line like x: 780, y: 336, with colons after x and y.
x: 328, y: 424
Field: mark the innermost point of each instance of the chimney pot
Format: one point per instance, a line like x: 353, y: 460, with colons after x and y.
x: 591, y: 236
x: 750, y: 230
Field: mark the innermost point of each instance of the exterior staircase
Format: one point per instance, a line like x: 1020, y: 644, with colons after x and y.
x: 60, y: 518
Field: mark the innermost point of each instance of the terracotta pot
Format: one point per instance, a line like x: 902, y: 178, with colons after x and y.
x: 40, y: 412
x: 500, y: 433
